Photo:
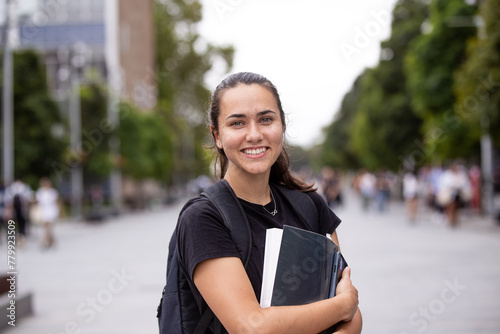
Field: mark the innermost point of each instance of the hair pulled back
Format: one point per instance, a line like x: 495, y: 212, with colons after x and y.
x: 280, y: 170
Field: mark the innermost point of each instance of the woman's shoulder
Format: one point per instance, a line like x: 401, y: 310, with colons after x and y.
x: 313, y: 194
x: 199, y: 206
x: 317, y: 198
x: 199, y: 213
x: 327, y: 218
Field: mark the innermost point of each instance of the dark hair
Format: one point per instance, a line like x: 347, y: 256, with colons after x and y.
x: 280, y: 170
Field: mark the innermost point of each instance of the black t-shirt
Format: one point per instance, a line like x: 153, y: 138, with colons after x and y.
x: 203, y: 235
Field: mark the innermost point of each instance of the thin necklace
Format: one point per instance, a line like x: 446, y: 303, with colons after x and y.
x: 275, y: 211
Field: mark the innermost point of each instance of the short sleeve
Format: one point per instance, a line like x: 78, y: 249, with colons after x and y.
x: 203, y: 235
x: 328, y: 220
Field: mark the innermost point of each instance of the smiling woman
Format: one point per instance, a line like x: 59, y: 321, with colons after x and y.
x: 249, y: 131
x: 248, y: 128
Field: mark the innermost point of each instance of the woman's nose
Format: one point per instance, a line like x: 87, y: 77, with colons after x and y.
x: 254, y: 133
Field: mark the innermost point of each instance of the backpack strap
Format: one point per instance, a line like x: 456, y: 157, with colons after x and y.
x: 303, y: 205
x: 223, y: 197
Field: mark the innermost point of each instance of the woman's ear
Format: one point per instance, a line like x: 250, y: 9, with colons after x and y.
x: 216, y: 137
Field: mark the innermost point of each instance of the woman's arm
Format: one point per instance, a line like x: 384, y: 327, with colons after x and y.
x: 351, y: 327
x: 225, y: 286
x: 354, y: 326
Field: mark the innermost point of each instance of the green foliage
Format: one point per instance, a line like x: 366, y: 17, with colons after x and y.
x: 477, y: 86
x: 39, y: 140
x: 146, y: 145
x: 430, y: 63
x: 336, y: 149
x: 154, y: 144
x: 96, y: 129
x: 375, y: 126
x: 432, y: 95
x: 385, y: 127
x: 183, y: 59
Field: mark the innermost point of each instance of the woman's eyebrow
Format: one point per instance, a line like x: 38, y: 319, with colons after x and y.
x: 265, y: 112
x: 236, y: 116
x: 260, y: 113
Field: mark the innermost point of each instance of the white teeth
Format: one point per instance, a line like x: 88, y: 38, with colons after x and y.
x: 255, y: 151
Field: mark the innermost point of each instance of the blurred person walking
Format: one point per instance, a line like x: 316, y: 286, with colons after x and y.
x: 454, y: 192
x: 434, y: 179
x: 410, y: 194
x: 17, y: 198
x: 330, y: 187
x: 383, y: 190
x: 475, y: 187
x: 48, y: 206
x: 367, y: 188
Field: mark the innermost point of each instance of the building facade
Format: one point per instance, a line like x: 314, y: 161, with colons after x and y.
x: 75, y: 35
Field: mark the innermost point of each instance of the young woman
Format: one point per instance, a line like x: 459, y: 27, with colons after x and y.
x: 248, y: 127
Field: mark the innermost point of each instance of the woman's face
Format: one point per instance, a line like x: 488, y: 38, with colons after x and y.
x: 250, y: 129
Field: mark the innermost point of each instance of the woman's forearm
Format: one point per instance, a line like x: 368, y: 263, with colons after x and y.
x: 352, y: 327
x: 311, y: 318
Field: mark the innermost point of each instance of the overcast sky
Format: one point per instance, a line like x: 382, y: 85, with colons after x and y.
x: 311, y: 50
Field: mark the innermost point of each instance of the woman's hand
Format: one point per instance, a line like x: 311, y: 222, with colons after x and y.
x: 348, y: 294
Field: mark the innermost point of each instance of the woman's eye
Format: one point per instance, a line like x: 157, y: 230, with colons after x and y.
x: 237, y: 123
x: 266, y: 120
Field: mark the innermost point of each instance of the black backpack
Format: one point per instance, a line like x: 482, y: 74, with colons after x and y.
x: 178, y: 312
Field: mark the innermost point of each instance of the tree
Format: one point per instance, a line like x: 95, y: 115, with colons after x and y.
x: 429, y: 65
x: 96, y: 130
x: 183, y: 59
x: 39, y: 138
x: 477, y: 86
x: 145, y: 144
x: 375, y: 126
x: 336, y: 149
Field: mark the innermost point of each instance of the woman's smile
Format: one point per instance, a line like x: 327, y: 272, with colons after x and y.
x: 255, y: 152
x: 250, y: 129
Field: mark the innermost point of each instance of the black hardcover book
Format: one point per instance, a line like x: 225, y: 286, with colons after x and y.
x: 303, y: 268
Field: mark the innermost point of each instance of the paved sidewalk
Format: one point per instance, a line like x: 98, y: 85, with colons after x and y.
x: 101, y: 278
x: 423, y: 278
x: 107, y: 278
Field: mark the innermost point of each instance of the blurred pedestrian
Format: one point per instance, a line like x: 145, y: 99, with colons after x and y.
x: 330, y: 187
x: 48, y: 206
x: 410, y: 194
x: 433, y: 184
x: 475, y: 187
x: 367, y: 188
x: 454, y: 192
x: 96, y: 197
x: 383, y: 189
x: 17, y: 198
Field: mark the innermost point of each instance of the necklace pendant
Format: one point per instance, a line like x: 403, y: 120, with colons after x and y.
x: 275, y: 211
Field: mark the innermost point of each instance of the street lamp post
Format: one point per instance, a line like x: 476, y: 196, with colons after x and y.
x: 77, y: 60
x: 8, y: 103
x: 114, y: 79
